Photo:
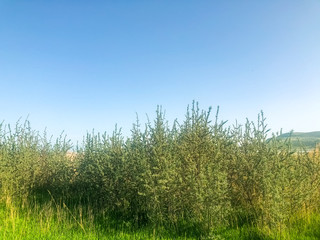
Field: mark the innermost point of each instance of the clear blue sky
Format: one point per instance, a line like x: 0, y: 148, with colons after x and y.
x: 79, y: 65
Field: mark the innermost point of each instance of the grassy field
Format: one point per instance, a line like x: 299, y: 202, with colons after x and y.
x: 192, y: 180
x: 307, y: 140
x: 55, y: 222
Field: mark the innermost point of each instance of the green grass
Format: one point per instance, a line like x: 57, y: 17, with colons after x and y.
x: 52, y: 221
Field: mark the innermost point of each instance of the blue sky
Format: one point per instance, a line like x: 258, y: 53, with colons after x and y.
x: 79, y: 65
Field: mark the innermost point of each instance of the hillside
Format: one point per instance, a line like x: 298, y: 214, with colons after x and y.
x: 309, y: 140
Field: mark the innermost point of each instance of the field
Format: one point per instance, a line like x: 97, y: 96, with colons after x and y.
x: 302, y: 140
x: 192, y: 180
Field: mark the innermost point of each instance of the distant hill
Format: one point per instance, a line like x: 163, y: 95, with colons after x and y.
x: 309, y: 140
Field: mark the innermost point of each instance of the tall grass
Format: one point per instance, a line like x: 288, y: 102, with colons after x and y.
x: 192, y: 179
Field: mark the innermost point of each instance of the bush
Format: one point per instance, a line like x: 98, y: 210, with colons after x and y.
x: 195, y: 175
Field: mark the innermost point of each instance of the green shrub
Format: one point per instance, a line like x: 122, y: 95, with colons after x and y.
x: 193, y: 176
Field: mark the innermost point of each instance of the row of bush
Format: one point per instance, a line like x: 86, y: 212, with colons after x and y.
x: 198, y: 173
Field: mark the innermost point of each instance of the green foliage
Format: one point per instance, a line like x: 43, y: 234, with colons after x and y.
x: 196, y: 177
x: 30, y: 163
x: 202, y: 179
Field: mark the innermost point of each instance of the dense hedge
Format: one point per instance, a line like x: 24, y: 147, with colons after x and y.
x: 198, y: 173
